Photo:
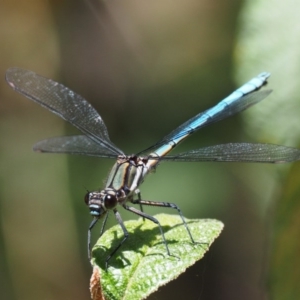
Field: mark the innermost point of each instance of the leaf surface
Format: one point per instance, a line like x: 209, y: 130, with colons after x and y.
x: 142, y: 264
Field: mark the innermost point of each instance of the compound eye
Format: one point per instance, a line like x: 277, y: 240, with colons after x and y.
x: 110, y: 201
x: 87, y: 198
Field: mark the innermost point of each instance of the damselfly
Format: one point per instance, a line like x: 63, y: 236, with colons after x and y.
x: 129, y: 171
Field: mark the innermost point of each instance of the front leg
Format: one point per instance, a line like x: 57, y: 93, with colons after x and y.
x: 138, y: 193
x: 120, y: 221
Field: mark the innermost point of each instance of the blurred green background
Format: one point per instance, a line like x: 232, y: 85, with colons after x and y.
x: 146, y: 67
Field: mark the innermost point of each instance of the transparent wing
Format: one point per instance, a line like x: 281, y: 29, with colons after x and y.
x: 63, y: 102
x: 77, y: 144
x: 239, y: 152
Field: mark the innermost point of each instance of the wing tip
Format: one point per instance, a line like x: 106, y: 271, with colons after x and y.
x: 9, y: 76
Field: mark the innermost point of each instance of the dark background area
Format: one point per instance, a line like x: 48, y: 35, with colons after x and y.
x: 146, y: 67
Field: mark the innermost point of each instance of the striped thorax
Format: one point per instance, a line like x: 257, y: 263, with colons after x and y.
x: 124, y: 178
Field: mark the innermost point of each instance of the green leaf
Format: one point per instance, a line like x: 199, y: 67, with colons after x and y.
x: 142, y: 264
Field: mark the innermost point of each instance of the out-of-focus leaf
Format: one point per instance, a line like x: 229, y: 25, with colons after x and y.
x: 285, y: 256
x: 269, y: 40
x: 142, y: 264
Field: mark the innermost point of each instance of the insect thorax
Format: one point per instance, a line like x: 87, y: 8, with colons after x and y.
x: 127, y: 173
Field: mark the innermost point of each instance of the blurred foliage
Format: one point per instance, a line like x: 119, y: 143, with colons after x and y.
x: 273, y: 27
x: 269, y: 38
x: 284, y: 272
